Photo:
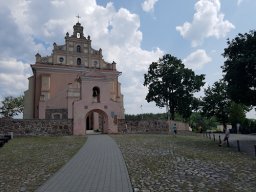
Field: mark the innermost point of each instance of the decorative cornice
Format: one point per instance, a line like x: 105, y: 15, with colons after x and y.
x: 72, y: 69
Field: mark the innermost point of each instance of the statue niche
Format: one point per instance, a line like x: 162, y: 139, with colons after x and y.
x: 96, y: 94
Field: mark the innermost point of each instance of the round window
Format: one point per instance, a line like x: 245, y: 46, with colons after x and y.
x: 61, y: 59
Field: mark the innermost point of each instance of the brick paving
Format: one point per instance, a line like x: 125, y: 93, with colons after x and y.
x: 98, y: 166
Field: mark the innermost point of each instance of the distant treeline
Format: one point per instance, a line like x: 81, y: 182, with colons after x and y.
x: 146, y: 116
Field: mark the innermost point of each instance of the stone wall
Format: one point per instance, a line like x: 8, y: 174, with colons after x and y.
x: 149, y: 126
x: 65, y: 127
x: 36, y: 127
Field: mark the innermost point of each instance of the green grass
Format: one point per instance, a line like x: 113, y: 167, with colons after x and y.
x: 30, y: 161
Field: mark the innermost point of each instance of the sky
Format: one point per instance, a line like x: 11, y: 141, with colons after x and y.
x: 133, y: 33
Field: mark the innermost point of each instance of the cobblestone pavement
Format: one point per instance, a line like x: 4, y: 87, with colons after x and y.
x: 98, y: 167
x: 185, y: 163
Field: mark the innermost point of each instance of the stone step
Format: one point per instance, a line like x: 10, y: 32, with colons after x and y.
x: 92, y: 132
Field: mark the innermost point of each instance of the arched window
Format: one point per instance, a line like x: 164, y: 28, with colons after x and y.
x: 78, y: 61
x: 78, y: 48
x: 96, y: 94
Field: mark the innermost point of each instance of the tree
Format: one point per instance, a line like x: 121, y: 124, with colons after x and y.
x: 201, y: 123
x: 197, y: 104
x: 237, y: 113
x: 12, y: 106
x: 145, y: 116
x: 240, y: 68
x: 216, y: 102
x: 169, y: 82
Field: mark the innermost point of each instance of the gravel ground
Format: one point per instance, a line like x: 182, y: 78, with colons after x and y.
x: 185, y: 163
x: 27, y: 162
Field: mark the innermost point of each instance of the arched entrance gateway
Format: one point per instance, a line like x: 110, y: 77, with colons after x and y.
x: 96, y: 120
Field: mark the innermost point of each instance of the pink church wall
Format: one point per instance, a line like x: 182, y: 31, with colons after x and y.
x: 58, y: 91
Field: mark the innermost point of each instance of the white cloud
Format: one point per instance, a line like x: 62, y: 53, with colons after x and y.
x: 197, y: 59
x: 117, y: 32
x: 58, y: 3
x: 208, y: 21
x: 148, y: 5
x: 13, y: 77
x: 239, y: 2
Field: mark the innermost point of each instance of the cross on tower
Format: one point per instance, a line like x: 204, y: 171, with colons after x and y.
x: 78, y: 17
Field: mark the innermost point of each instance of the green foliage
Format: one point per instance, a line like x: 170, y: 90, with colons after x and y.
x: 216, y: 102
x: 240, y: 68
x: 12, y: 106
x: 200, y: 123
x: 169, y: 82
x: 237, y: 113
x: 196, y: 104
x: 146, y: 116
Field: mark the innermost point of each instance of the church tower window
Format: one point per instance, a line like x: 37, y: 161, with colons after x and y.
x: 78, y: 48
x: 78, y: 61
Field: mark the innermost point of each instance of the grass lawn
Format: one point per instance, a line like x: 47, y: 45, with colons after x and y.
x: 185, y: 163
x: 27, y: 162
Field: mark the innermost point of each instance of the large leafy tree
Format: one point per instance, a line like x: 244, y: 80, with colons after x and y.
x: 240, y: 68
x: 169, y: 82
x: 237, y: 113
x: 216, y: 102
x: 12, y: 106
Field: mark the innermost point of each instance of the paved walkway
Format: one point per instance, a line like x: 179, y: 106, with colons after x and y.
x: 247, y: 142
x: 98, y: 167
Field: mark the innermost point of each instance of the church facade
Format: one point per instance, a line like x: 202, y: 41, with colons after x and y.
x: 75, y: 82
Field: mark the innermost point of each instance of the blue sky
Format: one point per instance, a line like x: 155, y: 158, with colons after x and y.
x: 134, y: 33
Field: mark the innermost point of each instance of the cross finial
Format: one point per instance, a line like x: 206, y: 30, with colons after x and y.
x: 78, y: 17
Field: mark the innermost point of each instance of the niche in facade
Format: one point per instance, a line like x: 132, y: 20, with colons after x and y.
x: 96, y: 94
x: 78, y: 61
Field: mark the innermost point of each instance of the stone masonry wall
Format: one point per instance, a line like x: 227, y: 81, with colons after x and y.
x: 65, y: 127
x: 36, y: 127
x: 149, y: 126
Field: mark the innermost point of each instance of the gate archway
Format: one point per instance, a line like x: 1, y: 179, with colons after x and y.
x: 96, y: 120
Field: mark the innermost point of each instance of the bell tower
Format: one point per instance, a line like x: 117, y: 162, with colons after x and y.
x: 78, y: 29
